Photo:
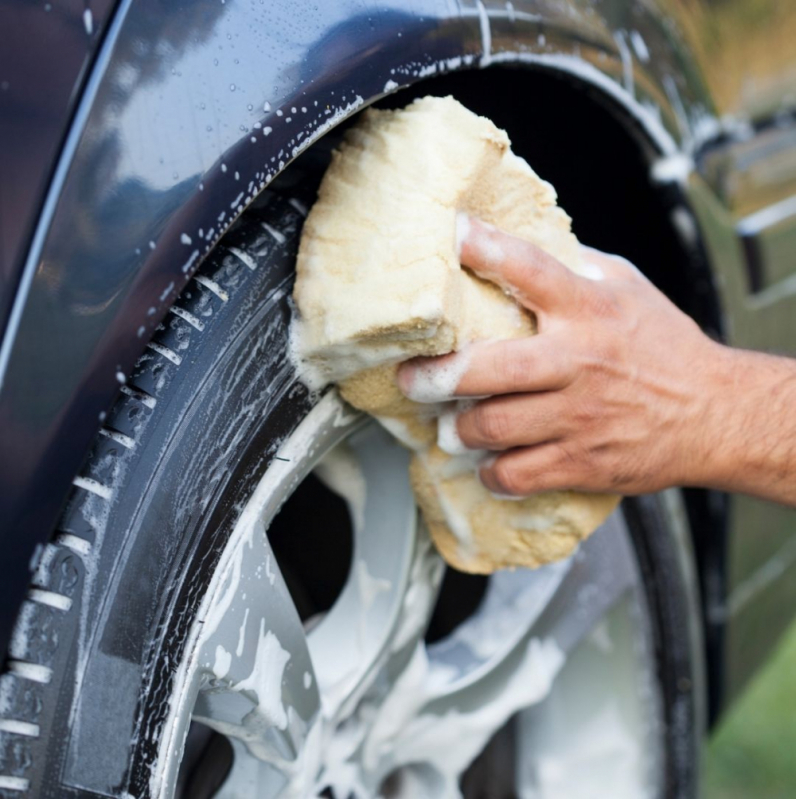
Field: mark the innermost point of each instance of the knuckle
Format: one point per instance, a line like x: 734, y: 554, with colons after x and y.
x: 570, y: 459
x: 506, y: 478
x: 491, y: 424
x: 604, y: 304
x: 514, y: 366
x: 585, y: 413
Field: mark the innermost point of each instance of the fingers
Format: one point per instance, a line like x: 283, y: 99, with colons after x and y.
x: 530, y: 470
x: 512, y: 421
x: 538, y: 281
x: 535, y: 363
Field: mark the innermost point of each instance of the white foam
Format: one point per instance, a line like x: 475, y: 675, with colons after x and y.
x: 459, y: 525
x: 448, y: 439
x: 493, y: 255
x: 436, y: 381
x: 265, y: 679
x: 222, y: 663
x: 462, y: 231
x: 509, y: 497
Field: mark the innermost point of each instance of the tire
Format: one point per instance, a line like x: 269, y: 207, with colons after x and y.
x: 95, y: 651
x: 94, y: 647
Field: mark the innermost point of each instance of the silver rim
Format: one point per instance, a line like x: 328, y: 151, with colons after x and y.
x: 358, y: 703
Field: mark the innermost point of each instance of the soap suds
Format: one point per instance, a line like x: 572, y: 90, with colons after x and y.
x: 266, y: 678
x: 436, y: 381
x: 462, y: 231
x: 223, y: 662
x: 448, y: 439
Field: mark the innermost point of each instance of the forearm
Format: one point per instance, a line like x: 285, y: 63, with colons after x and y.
x: 749, y: 436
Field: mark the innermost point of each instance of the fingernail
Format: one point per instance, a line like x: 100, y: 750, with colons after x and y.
x: 509, y: 497
x: 484, y: 471
x: 435, y: 380
x: 462, y: 231
x: 488, y: 461
x: 405, y: 378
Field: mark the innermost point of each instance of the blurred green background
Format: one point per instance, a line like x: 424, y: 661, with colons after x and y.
x: 752, y: 753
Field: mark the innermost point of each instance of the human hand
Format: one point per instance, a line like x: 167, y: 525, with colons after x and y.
x: 608, y: 397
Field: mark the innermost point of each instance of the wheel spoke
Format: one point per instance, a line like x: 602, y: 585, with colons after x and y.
x: 602, y: 571
x: 349, y: 645
x: 450, y: 698
x: 554, y: 607
x: 255, y: 677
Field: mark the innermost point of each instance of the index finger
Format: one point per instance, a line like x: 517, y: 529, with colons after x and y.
x: 536, y: 279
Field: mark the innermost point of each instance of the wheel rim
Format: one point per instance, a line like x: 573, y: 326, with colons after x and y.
x: 360, y: 704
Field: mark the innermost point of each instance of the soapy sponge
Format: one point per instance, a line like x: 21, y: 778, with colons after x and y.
x: 379, y: 281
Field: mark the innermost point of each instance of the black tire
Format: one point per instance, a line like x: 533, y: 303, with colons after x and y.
x: 193, y: 430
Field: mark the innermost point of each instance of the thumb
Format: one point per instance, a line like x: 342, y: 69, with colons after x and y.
x: 536, y: 279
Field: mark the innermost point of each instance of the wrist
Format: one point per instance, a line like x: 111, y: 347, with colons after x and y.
x: 749, y: 428
x: 718, y: 407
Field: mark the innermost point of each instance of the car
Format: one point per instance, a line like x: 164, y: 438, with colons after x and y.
x: 214, y: 581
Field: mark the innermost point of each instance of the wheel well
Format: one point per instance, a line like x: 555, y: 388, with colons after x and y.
x: 598, y: 158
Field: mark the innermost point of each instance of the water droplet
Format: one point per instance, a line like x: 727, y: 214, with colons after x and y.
x: 232, y: 87
x: 215, y: 62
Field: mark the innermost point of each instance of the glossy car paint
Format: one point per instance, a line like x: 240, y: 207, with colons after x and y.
x: 47, y: 50
x: 192, y: 108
